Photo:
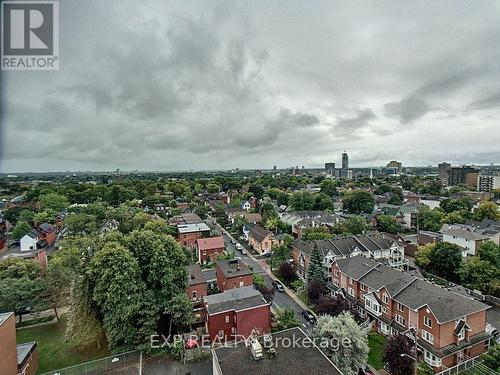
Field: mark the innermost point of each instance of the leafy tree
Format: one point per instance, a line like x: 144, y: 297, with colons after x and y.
x: 256, y: 190
x: 26, y: 215
x: 315, y: 290
x: 323, y: 202
x: 423, y: 254
x: 272, y: 223
x: 334, y: 331
x: 201, y: 211
x: 288, y: 272
x: 316, y: 233
x: 486, y: 210
x: 316, y: 270
x: 267, y: 292
x: 489, y: 251
x: 398, y: 364
x: 45, y: 216
x: 492, y: 357
x: 445, y: 260
x: 358, y: 201
x: 180, y: 310
x: 80, y: 224
x: 331, y: 305
x: 83, y: 328
x: 356, y: 225
x: 287, y: 319
x: 301, y: 201
x: 20, y: 229
x: 258, y: 281
x: 388, y: 224
x: 395, y: 200
x: 16, y: 268
x: 455, y: 217
x: 477, y: 274
x: 117, y: 292
x: 213, y: 188
x: 450, y: 205
x: 430, y: 219
x: 53, y: 201
x: 328, y: 187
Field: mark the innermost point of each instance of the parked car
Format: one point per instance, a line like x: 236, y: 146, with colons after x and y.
x: 239, y: 247
x: 309, y: 316
x: 365, y: 371
x: 233, y: 241
x: 278, y: 286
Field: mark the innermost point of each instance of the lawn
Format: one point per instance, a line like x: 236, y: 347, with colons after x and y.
x: 303, y: 296
x: 376, y: 342
x: 54, y: 352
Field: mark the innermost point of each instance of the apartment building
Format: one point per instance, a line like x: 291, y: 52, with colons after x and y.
x: 449, y: 327
x: 374, y: 245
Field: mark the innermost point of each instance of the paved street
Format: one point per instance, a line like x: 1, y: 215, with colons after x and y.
x: 281, y: 300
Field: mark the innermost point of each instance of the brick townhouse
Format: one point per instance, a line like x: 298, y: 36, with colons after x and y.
x: 232, y: 273
x: 15, y: 359
x: 450, y: 327
x: 209, y: 248
x: 239, y: 311
x: 188, y: 234
x: 372, y: 245
x: 197, y: 285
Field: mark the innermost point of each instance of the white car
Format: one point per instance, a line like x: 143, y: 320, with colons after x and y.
x: 239, y: 247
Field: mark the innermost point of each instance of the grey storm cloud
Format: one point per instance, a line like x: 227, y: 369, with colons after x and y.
x: 207, y: 85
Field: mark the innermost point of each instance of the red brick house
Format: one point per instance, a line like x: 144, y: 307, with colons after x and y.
x: 188, y: 234
x: 209, y: 248
x: 197, y: 285
x: 232, y: 274
x: 262, y: 240
x: 237, y: 313
x: 450, y: 326
x: 47, y: 233
x: 15, y: 359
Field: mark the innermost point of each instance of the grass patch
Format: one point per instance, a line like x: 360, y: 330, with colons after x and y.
x: 54, y: 352
x: 303, y: 297
x: 376, y: 342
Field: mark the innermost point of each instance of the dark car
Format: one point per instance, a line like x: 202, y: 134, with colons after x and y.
x: 365, y: 371
x: 278, y: 286
x: 309, y: 316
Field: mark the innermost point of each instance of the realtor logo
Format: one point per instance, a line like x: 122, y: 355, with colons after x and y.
x: 30, y: 35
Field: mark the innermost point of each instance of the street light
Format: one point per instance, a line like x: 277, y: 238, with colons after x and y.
x: 415, y: 369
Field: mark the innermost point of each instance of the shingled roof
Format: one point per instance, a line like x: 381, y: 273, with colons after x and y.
x: 234, y: 299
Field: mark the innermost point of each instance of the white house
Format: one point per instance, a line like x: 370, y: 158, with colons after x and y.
x: 28, y: 241
x: 467, y: 237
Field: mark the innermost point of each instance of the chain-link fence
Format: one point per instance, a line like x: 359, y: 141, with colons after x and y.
x: 124, y: 363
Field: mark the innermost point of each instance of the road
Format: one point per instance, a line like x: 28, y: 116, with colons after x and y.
x: 281, y: 300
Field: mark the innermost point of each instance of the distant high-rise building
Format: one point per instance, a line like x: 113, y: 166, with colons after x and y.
x: 443, y: 169
x: 329, y: 168
x: 275, y: 168
x: 464, y: 175
x: 345, y: 160
x: 488, y: 182
x: 394, y: 164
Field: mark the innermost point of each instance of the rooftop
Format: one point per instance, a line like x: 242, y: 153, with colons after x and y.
x: 4, y: 317
x: 234, y: 299
x: 303, y: 358
x: 210, y: 243
x: 190, y: 228
x: 233, y: 268
x: 195, y: 275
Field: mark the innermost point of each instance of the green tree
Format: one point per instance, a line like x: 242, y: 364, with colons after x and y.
x: 445, y: 260
x: 53, y: 201
x: 477, y: 274
x: 323, y: 202
x: 80, y: 224
x: 301, y: 201
x: 356, y: 225
x: 492, y: 358
x: 489, y: 251
x: 430, y: 219
x: 20, y: 229
x: 181, y: 311
x: 331, y: 333
x: 423, y: 254
x: 358, y: 201
x: 316, y: 233
x: 328, y: 187
x: 450, y: 205
x: 316, y: 270
x: 286, y: 319
x: 26, y: 215
x: 258, y: 281
x: 486, y: 210
x: 388, y: 224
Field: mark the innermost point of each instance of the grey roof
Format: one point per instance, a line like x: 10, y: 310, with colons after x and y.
x: 190, y: 228
x: 23, y: 351
x: 195, y: 276
x: 394, y: 280
x: 303, y: 358
x: 234, y: 299
x: 46, y: 227
x: 464, y: 233
x: 259, y: 233
x: 4, y: 317
x: 356, y: 267
x: 445, y: 304
x: 233, y: 267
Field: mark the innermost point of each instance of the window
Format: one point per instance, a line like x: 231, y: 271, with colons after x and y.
x: 385, y: 310
x: 384, y: 328
x: 431, y: 359
x: 351, y: 281
x: 227, y: 318
x: 401, y: 307
x: 427, y: 321
x: 385, y: 298
x: 427, y: 336
x: 221, y: 333
x: 242, y: 284
x: 400, y: 320
x: 336, y: 272
x: 351, y: 292
x: 461, y: 334
x: 194, y: 294
x: 363, y: 287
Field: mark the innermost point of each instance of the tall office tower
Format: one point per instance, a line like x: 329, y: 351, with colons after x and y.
x: 329, y: 168
x: 345, y: 160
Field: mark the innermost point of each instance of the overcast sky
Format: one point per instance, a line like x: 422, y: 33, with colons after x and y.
x: 171, y: 85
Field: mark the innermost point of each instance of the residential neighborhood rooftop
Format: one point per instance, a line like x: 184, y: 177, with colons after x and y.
x: 195, y: 275
x: 210, y: 243
x: 233, y: 267
x: 304, y: 358
x: 190, y: 228
x: 234, y: 299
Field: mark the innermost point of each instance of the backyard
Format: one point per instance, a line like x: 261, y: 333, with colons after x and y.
x: 53, y: 351
x: 376, y: 342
